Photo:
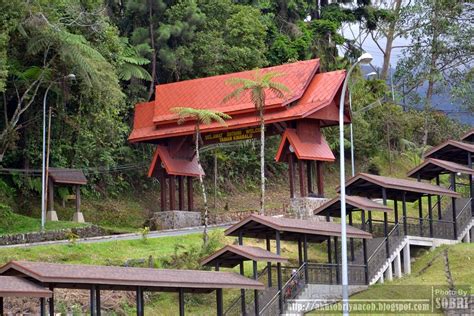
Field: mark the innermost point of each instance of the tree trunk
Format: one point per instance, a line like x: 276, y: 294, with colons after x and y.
x: 215, y: 180
x: 388, y: 46
x: 151, y: 89
x: 205, y: 236
x: 262, y: 162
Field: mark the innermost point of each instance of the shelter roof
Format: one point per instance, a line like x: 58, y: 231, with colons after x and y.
x: 333, y: 207
x: 175, y: 166
x: 231, y: 255
x: 67, y: 176
x: 12, y: 286
x: 82, y: 276
x: 209, y: 93
x: 451, y: 150
x: 316, y: 101
x: 259, y: 226
x: 468, y: 137
x: 308, y: 149
x: 430, y: 168
x: 370, y: 186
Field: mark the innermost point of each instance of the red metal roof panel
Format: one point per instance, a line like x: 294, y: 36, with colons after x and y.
x: 309, y: 149
x: 174, y: 166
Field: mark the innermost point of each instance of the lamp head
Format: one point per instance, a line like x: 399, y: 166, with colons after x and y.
x: 365, y: 58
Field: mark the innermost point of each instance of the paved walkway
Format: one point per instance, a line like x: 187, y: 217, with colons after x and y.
x: 130, y: 236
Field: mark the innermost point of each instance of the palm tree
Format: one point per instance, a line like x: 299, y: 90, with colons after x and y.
x: 201, y: 117
x: 257, y: 88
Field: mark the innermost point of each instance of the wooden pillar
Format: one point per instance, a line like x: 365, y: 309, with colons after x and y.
x: 329, y: 259
x: 78, y: 198
x: 395, y: 211
x: 172, y: 193
x: 1, y: 305
x: 430, y: 216
x: 320, y: 173
x: 242, y: 272
x: 93, y: 301
x: 385, y: 222
x: 50, y: 195
x: 438, y: 200
x: 364, y: 249
x: 453, y: 201
x: 351, y: 240
x: 309, y: 174
x: 97, y: 301
x: 255, y: 292
x: 42, y: 306
x: 336, y: 259
x: 51, y: 301
x: 291, y: 175
x: 471, y: 182
x: 404, y: 210
x: 305, y: 257
x: 181, y: 193
x: 371, y: 228
x: 420, y: 214
x: 219, y: 297
x: 269, y: 264
x: 279, y: 278
x: 190, y: 194
x: 181, y: 301
x: 163, y: 189
x: 301, y: 178
x: 300, y: 252
x: 139, y: 299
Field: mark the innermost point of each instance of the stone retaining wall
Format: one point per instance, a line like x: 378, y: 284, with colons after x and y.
x: 63, y: 234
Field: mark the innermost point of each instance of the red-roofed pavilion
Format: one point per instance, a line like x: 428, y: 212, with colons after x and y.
x: 311, y: 104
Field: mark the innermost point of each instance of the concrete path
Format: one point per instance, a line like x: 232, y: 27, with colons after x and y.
x: 130, y: 236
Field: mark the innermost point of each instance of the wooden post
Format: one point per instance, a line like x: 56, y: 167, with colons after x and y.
x: 78, y: 198
x: 320, y: 173
x: 190, y: 194
x: 336, y: 259
x: 301, y: 178
x: 163, y: 189
x: 139, y: 298
x: 430, y: 216
x: 97, y: 300
x: 471, y: 183
x: 242, y: 272
x: 453, y: 201
x: 385, y: 222
x: 291, y: 175
x: 181, y: 193
x: 404, y: 210
x: 219, y: 297
x: 181, y: 301
x: 371, y: 228
x: 364, y: 249
x: 93, y: 301
x: 329, y: 259
x: 300, y: 252
x: 51, y: 301
x: 305, y: 257
x: 172, y: 193
x: 279, y: 278
x: 42, y: 306
x: 255, y: 292
x: 309, y: 174
x: 50, y: 202
x: 395, y: 210
x: 438, y: 197
x: 420, y: 215
x: 1, y: 305
x: 351, y: 240
x: 269, y: 264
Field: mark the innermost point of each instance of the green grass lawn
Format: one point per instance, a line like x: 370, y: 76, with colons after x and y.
x: 428, y: 274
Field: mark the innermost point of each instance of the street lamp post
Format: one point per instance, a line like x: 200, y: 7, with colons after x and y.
x: 363, y: 59
x: 43, y: 165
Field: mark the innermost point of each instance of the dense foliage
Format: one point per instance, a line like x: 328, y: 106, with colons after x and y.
x: 119, y: 50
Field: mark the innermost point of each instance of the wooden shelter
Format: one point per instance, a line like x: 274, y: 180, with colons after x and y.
x: 468, y: 137
x: 65, y: 177
x: 98, y: 278
x: 311, y: 104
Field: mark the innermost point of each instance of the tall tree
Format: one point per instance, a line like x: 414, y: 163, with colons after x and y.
x: 258, y: 87
x: 200, y: 117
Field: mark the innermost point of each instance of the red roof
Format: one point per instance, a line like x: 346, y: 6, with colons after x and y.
x: 208, y: 93
x: 312, y: 95
x: 309, y: 149
x: 174, y: 166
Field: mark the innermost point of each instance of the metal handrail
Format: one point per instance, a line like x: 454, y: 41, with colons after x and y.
x: 464, y: 208
x: 283, y: 287
x: 385, y: 239
x: 432, y: 220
